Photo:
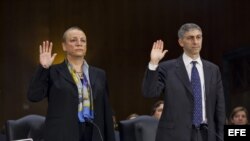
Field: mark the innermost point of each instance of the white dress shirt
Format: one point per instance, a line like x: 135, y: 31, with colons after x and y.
x: 188, y: 65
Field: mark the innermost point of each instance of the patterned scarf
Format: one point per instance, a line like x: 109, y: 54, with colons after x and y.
x: 85, y: 106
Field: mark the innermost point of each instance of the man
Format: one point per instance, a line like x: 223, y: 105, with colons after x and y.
x: 192, y: 88
x: 78, y: 107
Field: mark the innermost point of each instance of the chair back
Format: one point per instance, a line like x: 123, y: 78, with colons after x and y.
x: 30, y: 126
x: 142, y: 128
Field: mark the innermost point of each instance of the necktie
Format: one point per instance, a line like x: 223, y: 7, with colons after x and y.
x: 196, y: 85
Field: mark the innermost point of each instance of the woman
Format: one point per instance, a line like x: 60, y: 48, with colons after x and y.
x: 157, y: 109
x: 78, y: 107
x: 239, y: 116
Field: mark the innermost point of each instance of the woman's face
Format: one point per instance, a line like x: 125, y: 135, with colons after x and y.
x: 240, y: 118
x: 158, y: 111
x: 75, y: 44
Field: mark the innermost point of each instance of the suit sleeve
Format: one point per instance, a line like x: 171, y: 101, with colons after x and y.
x: 109, y: 128
x: 153, y: 82
x: 220, y: 117
x: 39, y: 85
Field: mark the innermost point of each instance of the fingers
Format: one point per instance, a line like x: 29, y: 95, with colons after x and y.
x: 53, y: 56
x: 158, y: 45
x: 40, y: 49
x: 45, y: 47
x: 164, y: 52
x: 50, y: 47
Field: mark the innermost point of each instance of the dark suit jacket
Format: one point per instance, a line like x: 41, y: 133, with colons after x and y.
x: 171, y: 80
x: 57, y: 84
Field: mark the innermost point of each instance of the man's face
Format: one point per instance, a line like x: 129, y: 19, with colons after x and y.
x: 191, y: 42
x: 75, y: 44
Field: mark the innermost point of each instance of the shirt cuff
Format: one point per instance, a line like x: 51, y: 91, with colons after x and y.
x: 152, y: 66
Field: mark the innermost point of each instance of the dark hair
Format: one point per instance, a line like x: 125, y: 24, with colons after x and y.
x: 187, y: 27
x: 156, y: 105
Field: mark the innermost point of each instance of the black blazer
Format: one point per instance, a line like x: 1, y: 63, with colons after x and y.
x: 171, y: 80
x: 57, y: 84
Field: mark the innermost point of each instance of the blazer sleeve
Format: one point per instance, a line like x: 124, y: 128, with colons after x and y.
x: 109, y: 128
x: 39, y: 84
x: 153, y: 82
x: 220, y: 106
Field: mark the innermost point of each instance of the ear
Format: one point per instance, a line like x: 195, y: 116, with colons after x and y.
x: 63, y: 46
x: 180, y: 42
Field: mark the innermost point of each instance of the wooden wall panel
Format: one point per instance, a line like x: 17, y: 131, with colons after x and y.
x: 120, y: 34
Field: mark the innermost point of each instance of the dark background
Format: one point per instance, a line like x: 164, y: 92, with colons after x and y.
x: 120, y: 35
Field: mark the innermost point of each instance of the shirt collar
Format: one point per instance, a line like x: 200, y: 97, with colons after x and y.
x: 85, y: 67
x: 187, y: 60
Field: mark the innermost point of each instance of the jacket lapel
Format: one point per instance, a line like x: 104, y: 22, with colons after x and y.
x: 183, y: 76
x: 92, y: 77
x: 64, y: 71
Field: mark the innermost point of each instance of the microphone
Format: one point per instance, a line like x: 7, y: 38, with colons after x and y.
x: 96, y: 126
x: 205, y: 126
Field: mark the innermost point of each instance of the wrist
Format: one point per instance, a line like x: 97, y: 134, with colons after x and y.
x: 45, y: 66
x: 152, y: 66
x: 154, y: 62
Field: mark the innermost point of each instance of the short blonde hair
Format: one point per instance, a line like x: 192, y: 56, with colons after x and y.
x: 71, y: 28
